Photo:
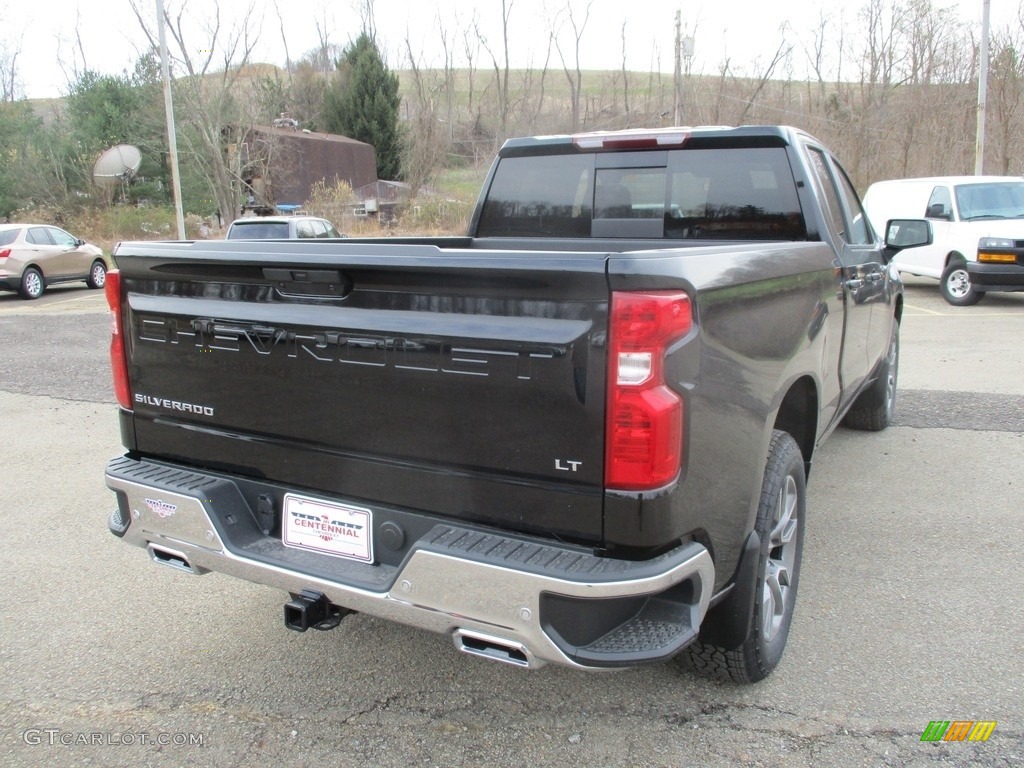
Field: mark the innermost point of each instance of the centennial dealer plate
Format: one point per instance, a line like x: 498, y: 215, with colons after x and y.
x: 322, y: 526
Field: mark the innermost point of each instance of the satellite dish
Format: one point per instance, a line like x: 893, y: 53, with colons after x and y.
x: 116, y: 166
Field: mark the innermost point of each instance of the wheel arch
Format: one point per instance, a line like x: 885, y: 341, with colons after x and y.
x: 33, y: 265
x: 26, y: 270
x: 952, y: 257
x: 798, y: 415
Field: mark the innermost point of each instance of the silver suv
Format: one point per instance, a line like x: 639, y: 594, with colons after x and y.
x: 281, y: 228
x: 34, y: 256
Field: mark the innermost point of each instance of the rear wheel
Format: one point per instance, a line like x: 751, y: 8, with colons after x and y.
x: 97, y: 275
x: 779, y: 526
x: 956, y: 285
x: 32, y: 283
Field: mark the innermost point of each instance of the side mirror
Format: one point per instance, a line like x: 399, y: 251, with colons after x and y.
x: 938, y: 211
x: 906, y: 233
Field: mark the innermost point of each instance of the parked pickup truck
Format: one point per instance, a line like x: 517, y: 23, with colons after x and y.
x: 579, y: 435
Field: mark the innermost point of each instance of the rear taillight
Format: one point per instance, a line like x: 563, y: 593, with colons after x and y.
x: 118, y: 361
x: 4, y: 253
x: 644, y: 441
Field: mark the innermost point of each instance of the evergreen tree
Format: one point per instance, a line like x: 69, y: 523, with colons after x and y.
x: 362, y: 103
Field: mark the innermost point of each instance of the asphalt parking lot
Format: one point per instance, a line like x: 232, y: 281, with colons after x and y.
x: 909, y: 608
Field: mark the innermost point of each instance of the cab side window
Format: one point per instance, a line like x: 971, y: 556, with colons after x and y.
x: 842, y: 209
x: 832, y: 209
x: 860, y: 230
x: 940, y: 204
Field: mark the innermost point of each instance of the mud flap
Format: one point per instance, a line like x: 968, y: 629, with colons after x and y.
x: 728, y: 624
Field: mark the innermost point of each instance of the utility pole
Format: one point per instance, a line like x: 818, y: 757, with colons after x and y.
x: 979, y: 147
x: 172, y: 136
x: 677, y: 78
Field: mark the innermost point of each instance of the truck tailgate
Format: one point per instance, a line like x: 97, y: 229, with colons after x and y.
x: 465, y: 384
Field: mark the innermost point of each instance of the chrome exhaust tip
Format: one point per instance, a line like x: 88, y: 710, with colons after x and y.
x: 173, y: 559
x: 494, y: 648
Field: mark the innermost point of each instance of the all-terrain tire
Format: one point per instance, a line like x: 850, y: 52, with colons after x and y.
x: 780, y: 527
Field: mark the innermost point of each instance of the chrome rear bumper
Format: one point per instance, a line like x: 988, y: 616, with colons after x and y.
x: 508, y: 598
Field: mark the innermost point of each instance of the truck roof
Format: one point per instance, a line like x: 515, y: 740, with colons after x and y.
x: 648, y: 138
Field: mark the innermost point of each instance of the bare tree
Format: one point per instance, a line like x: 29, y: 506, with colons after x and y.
x: 780, y: 55
x: 284, y: 42
x: 447, y: 46
x: 500, y: 68
x: 326, y: 53
x: 724, y: 70
x: 1006, y: 97
x: 574, y: 76
x: 882, y: 58
x: 424, y: 147
x: 367, y: 18
x: 824, y: 57
x: 470, y: 47
x: 209, y: 95
x: 10, y: 82
x: 534, y: 118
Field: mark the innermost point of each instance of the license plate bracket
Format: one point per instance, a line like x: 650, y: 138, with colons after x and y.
x: 328, y: 527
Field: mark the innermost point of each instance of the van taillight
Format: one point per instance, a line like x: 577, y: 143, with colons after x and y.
x: 118, y: 362
x: 644, y: 439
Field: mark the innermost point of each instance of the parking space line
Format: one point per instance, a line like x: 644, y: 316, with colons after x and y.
x: 922, y: 309
x: 968, y: 315
x: 75, y: 303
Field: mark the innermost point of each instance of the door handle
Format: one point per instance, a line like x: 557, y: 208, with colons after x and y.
x: 854, y: 284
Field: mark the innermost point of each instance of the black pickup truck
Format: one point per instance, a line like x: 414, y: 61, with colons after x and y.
x: 578, y: 435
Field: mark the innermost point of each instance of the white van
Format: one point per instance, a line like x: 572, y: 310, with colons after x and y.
x: 978, y: 231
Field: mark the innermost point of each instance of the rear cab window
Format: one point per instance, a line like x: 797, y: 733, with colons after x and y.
x: 712, y: 192
x: 259, y: 230
x: 543, y: 196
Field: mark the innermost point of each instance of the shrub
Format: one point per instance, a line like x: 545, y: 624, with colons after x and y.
x: 331, y: 201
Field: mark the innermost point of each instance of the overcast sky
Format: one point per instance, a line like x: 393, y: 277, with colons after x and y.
x: 55, y: 35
